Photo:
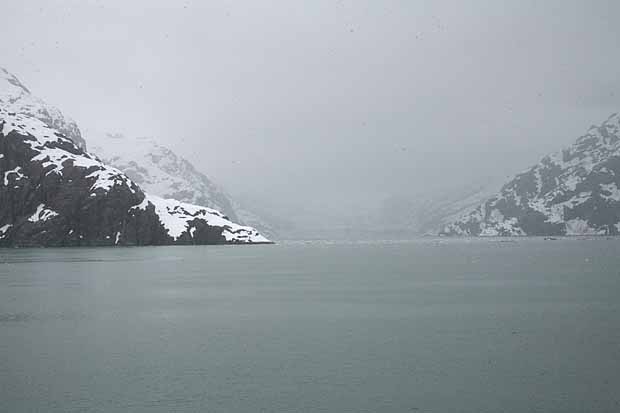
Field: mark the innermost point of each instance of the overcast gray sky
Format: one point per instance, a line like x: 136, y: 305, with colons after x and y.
x: 331, y: 104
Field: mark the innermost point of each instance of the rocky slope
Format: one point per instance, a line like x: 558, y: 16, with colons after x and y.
x: 571, y: 192
x: 15, y: 97
x: 53, y: 193
x: 160, y: 171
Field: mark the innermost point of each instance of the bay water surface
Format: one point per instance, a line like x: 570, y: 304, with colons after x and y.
x: 428, y: 325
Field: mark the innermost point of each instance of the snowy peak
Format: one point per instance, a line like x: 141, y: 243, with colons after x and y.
x: 15, y: 97
x: 570, y: 192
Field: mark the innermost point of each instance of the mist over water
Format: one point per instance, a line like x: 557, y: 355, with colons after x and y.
x: 426, y: 325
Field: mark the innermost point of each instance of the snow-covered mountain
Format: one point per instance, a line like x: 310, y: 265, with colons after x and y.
x: 160, y: 171
x: 15, y: 97
x: 54, y: 193
x: 571, y: 192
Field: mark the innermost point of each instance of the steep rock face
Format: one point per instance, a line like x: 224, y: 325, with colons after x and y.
x: 53, y: 193
x: 15, y: 97
x: 160, y: 171
x: 571, y: 192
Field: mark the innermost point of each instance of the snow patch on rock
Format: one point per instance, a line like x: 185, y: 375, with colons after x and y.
x: 42, y: 214
x: 4, y: 229
x: 613, y: 190
x: 15, y: 171
x: 176, y: 217
x: 579, y: 226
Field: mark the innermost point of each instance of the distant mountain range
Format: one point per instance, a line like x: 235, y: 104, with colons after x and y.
x: 571, y: 192
x: 54, y: 193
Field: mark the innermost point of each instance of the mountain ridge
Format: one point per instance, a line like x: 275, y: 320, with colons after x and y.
x: 574, y: 191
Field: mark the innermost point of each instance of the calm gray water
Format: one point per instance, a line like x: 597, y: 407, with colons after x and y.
x: 425, y: 326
